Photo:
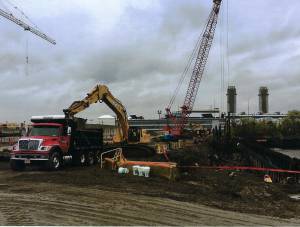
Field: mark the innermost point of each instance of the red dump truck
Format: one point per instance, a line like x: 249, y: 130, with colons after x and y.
x: 54, y: 140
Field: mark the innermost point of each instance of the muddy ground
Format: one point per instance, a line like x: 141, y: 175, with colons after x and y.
x: 91, y: 196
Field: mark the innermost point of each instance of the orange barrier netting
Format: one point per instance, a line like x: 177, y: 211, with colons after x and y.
x: 243, y: 168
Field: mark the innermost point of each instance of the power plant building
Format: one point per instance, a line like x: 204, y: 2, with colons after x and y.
x: 231, y: 99
x: 263, y: 100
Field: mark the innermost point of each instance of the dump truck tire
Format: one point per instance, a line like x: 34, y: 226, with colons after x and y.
x: 90, y: 158
x: 79, y: 159
x: 97, y: 157
x: 55, y: 161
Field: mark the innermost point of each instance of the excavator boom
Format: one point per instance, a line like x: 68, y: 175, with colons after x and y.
x: 101, y: 93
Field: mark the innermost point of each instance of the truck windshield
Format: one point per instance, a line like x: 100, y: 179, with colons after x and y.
x: 44, y: 131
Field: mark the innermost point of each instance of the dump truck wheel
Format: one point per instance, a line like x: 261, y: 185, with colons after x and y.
x: 79, y: 159
x: 17, y: 165
x: 97, y: 157
x: 82, y: 159
x: 55, y: 161
x: 90, y: 159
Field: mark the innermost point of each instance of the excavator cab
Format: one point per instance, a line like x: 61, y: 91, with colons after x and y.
x: 134, y: 134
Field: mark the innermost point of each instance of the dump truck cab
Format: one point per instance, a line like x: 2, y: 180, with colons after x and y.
x: 47, y: 135
x: 54, y: 141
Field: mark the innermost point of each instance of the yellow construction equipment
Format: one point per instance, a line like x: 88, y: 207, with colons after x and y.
x: 101, y: 93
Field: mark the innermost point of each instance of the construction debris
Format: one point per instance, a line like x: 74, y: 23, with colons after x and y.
x: 267, y: 179
x: 163, y: 169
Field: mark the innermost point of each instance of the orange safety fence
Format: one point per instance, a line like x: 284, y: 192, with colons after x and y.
x: 244, y: 168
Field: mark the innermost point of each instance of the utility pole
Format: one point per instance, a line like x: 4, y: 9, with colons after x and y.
x: 159, y: 113
x: 248, y: 109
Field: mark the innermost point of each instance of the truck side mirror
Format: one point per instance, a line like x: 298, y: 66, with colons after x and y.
x: 69, y: 130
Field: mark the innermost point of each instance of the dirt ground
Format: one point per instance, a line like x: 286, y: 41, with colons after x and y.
x: 91, y: 196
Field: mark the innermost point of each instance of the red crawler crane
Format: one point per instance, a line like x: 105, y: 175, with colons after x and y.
x: 206, y: 41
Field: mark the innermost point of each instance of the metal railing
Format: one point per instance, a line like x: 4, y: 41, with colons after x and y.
x: 106, y: 152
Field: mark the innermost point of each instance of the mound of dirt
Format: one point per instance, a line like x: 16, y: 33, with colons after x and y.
x: 197, y: 155
x: 243, y: 192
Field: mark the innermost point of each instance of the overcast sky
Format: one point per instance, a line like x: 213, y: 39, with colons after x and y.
x: 139, y: 48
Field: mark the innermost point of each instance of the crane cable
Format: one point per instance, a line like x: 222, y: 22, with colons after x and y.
x: 184, y: 73
x: 227, y: 42
x: 27, y: 56
x: 4, y: 6
x: 221, y: 62
x: 224, y: 54
x: 188, y: 66
x: 24, y: 17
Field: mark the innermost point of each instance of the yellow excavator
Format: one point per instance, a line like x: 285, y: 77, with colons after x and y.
x: 101, y: 93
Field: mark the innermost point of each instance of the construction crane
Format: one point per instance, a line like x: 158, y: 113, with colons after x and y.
x: 180, y: 121
x: 26, y: 27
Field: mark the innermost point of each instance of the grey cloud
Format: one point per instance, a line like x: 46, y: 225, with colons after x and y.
x: 179, y: 17
x: 141, y: 58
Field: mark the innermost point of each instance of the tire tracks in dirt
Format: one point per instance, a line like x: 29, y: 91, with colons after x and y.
x: 59, y: 205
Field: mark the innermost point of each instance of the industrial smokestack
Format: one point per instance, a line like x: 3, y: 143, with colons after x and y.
x: 231, y: 99
x: 263, y: 100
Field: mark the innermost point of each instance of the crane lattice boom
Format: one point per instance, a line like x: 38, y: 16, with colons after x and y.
x: 26, y: 26
x: 197, y: 73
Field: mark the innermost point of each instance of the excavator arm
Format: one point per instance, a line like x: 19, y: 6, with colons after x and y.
x: 101, y: 93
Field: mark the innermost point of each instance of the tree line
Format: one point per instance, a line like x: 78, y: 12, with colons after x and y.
x: 288, y: 127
